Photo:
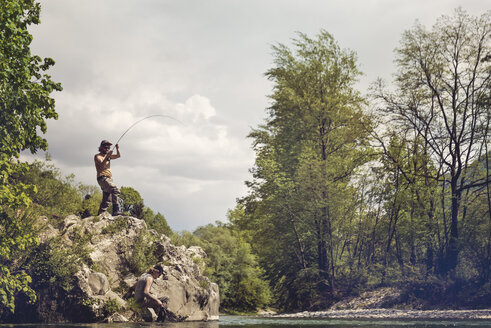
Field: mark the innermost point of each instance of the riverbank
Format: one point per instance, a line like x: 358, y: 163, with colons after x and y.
x: 389, y: 303
x: 389, y: 314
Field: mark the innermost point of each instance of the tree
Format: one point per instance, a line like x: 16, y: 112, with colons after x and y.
x: 306, y: 155
x: 25, y: 104
x: 132, y: 202
x: 56, y: 195
x: 442, y: 85
x: 231, y: 264
x: 135, y: 205
x: 92, y: 198
x: 407, y: 203
x: 157, y: 222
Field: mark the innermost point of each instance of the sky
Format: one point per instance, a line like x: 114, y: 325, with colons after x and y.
x: 201, y: 62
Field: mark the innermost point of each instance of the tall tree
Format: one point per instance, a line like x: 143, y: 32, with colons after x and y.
x: 25, y: 104
x: 306, y: 155
x: 441, y: 86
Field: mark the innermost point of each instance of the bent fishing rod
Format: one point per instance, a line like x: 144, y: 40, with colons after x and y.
x: 131, y: 126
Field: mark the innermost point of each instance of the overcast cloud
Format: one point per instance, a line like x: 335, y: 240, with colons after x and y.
x: 203, y: 63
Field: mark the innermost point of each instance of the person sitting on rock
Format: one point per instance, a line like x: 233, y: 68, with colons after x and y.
x: 142, y: 287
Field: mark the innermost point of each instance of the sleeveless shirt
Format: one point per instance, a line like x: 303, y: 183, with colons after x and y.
x: 140, y: 287
x: 103, y: 169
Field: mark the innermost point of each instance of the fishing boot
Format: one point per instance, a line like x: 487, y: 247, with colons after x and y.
x: 116, y: 210
x: 101, y: 210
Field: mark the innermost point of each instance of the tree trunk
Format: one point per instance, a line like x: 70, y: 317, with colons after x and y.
x: 301, y: 249
x: 453, y: 247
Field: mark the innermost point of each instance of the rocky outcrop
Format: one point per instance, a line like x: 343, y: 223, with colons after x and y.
x: 117, y: 247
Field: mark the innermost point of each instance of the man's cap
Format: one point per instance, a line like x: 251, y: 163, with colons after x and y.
x: 105, y: 142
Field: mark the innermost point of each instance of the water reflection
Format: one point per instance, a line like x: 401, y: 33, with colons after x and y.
x: 214, y: 324
x: 259, y: 322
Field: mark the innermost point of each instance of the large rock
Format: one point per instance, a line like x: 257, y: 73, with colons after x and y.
x: 116, y: 245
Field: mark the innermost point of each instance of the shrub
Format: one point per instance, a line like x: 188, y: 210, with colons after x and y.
x: 111, y: 306
x: 141, y: 256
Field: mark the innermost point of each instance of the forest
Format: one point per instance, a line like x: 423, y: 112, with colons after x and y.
x: 349, y: 191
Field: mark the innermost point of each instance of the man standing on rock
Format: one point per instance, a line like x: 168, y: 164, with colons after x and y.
x: 105, y: 178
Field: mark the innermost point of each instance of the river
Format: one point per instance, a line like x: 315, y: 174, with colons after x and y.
x: 260, y: 322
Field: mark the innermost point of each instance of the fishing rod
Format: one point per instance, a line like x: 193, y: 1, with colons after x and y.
x: 156, y: 115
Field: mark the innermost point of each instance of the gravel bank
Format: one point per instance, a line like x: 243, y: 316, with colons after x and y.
x: 389, y: 314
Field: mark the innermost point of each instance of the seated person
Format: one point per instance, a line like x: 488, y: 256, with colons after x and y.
x: 142, y: 287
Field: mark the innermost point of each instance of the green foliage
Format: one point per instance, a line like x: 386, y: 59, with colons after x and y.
x: 92, y: 198
x: 88, y: 302
x: 111, y: 306
x: 134, y: 205
x: 306, y: 155
x: 25, y: 89
x: 16, y: 237
x: 50, y: 264
x: 141, y: 255
x: 185, y: 238
x: 157, y: 222
x: 56, y: 195
x: 25, y: 104
x: 443, y: 124
x: 11, y: 284
x: 54, y: 264
x: 132, y: 202
x: 231, y: 264
x: 204, y: 284
x: 53, y: 194
x: 339, y: 205
x: 116, y: 226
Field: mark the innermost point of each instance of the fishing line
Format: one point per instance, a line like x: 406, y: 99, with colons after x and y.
x: 167, y: 116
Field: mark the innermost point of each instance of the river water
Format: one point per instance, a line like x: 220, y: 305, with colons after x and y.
x: 260, y: 322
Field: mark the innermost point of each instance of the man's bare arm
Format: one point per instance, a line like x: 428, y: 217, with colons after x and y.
x: 117, y: 155
x: 146, y: 291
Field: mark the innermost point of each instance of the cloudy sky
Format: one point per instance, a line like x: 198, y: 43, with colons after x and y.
x: 203, y: 63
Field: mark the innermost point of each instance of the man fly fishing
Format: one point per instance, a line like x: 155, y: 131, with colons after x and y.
x: 103, y: 166
x: 110, y: 193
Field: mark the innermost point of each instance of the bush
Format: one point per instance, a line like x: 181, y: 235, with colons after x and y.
x: 116, y: 226
x: 111, y: 306
x: 141, y: 256
x: 52, y: 263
